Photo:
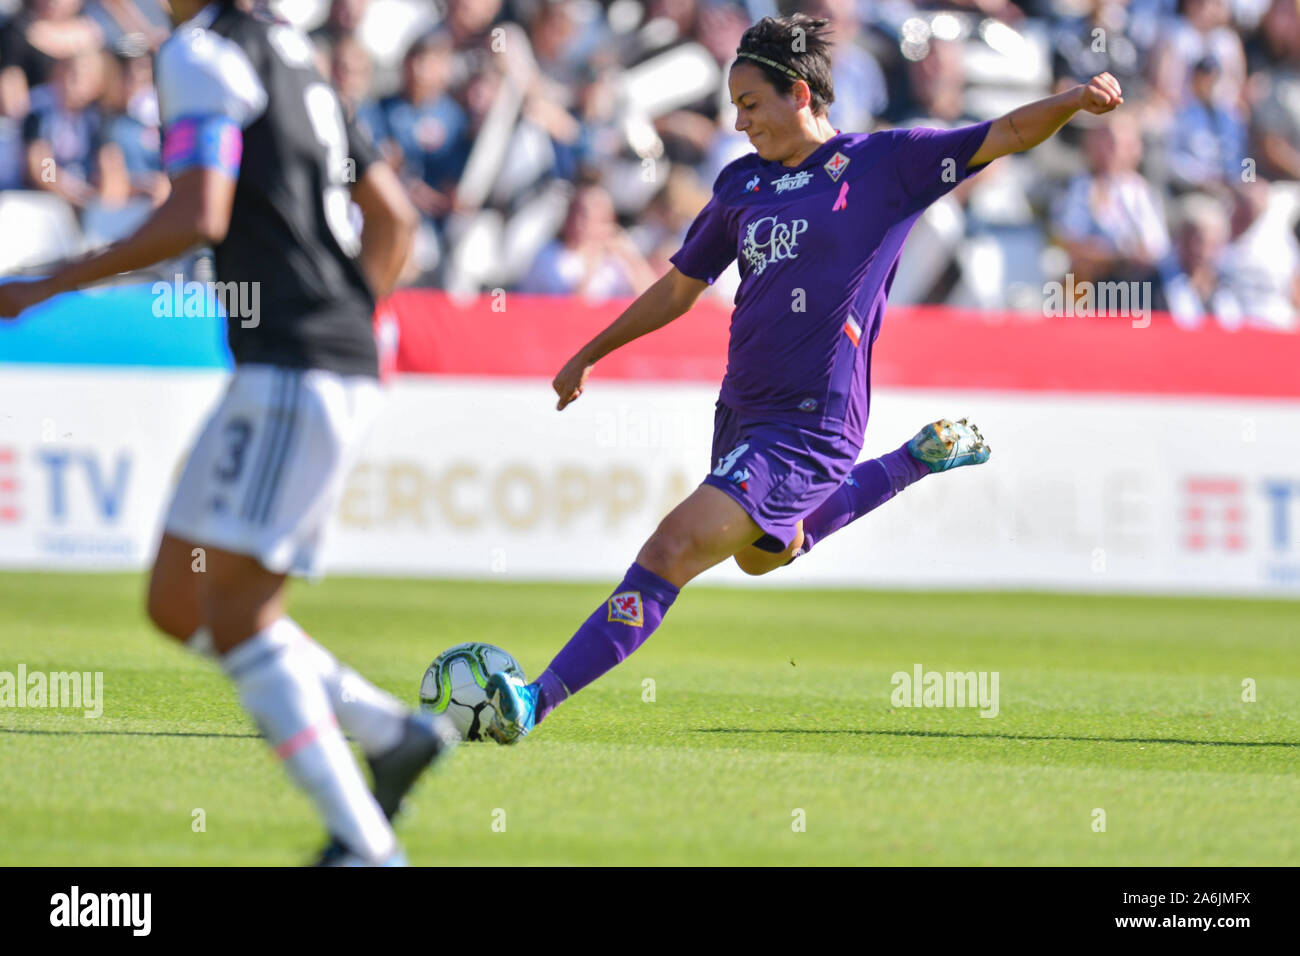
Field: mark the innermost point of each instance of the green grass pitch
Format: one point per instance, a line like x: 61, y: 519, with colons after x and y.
x: 766, y: 703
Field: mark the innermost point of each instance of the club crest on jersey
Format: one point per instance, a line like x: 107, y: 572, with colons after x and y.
x: 625, y: 607
x: 835, y: 165
x: 752, y: 185
x: 792, y: 181
x: 769, y: 240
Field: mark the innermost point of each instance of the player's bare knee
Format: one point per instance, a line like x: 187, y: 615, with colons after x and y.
x: 754, y: 564
x: 662, y: 554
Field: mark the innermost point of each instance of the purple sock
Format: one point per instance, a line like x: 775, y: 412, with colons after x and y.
x: 616, y: 628
x: 868, y: 486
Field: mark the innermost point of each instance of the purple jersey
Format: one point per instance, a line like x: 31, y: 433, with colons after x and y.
x: 818, y: 245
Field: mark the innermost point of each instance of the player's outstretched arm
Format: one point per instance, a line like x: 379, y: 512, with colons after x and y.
x: 666, y: 300
x: 1031, y: 124
x: 197, y: 212
x: 389, y: 226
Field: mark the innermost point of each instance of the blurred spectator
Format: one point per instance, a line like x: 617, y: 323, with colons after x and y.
x: 1277, y: 118
x: 132, y: 27
x: 43, y: 32
x: 859, y: 83
x: 936, y: 88
x: 1095, y: 42
x: 689, y: 132
x: 344, y: 19
x: 64, y: 134
x: 593, y: 257
x: 552, y: 93
x: 1209, y: 140
x: 468, y: 26
x: 429, y: 127
x: 1110, y: 220
x: 661, y: 228
x: 352, y: 72
x: 132, y: 128
x: 13, y: 109
x: 1262, y: 262
x: 1203, y: 29
x: 1196, y: 291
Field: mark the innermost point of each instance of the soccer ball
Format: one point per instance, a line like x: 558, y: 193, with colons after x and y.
x: 455, y: 681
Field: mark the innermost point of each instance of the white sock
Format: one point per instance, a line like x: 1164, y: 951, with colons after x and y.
x: 279, y: 686
x: 374, y: 718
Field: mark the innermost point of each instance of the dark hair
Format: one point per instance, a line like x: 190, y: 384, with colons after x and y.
x: 798, y: 43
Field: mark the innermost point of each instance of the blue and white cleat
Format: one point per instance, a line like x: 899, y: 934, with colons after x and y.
x: 514, y: 708
x: 943, y: 445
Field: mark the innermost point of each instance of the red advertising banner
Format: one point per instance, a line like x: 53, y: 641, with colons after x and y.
x: 521, y: 336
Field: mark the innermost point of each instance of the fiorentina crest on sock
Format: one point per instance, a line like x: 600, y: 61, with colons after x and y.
x: 625, y: 607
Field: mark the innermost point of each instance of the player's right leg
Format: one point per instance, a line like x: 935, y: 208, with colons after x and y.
x: 705, y: 529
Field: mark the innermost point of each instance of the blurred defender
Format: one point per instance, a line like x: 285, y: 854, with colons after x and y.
x: 264, y: 166
x: 817, y: 219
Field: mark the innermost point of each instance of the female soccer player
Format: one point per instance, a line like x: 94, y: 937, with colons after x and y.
x: 817, y: 218
x: 264, y: 167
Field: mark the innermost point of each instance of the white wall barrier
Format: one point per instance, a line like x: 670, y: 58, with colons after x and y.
x: 483, y: 478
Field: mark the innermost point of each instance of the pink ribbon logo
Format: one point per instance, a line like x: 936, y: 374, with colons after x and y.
x: 843, y: 200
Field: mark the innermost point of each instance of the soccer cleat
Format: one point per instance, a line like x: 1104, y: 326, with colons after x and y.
x: 336, y: 854
x: 514, y: 707
x: 426, y: 739
x: 943, y: 445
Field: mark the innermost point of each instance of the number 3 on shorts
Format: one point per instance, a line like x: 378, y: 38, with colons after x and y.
x: 238, y: 432
x: 724, y: 464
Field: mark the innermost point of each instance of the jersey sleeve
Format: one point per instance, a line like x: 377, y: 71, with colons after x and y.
x: 710, y: 245
x: 204, y: 74
x: 930, y: 162
x: 208, y: 94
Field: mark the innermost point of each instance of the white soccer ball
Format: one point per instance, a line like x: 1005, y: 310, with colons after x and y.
x: 455, y: 681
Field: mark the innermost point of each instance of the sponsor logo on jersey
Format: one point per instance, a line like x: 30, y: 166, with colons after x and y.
x: 741, y: 477
x: 768, y: 240
x: 752, y: 185
x: 808, y: 405
x: 835, y: 165
x: 625, y: 607
x: 792, y: 181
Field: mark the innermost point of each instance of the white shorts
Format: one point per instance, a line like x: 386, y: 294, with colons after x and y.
x: 266, y: 474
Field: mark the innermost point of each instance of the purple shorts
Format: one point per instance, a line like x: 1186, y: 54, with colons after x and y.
x: 778, y: 472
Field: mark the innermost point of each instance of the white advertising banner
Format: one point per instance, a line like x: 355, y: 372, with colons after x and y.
x: 483, y: 478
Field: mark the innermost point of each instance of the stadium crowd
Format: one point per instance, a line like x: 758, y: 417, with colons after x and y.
x: 564, y: 146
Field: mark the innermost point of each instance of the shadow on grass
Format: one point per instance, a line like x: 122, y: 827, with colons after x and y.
x: 123, y: 733
x: 937, y: 733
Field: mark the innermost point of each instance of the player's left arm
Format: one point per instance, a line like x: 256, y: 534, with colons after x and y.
x: 1031, y: 124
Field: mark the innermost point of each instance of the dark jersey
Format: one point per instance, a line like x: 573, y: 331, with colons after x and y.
x: 292, y: 246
